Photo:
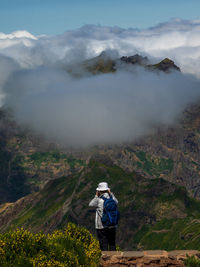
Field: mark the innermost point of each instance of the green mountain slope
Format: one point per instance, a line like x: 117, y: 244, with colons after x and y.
x: 149, y: 208
x: 28, y: 161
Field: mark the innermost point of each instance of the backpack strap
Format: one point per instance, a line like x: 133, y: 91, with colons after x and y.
x: 104, y: 198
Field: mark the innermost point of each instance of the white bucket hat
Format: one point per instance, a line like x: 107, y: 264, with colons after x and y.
x: 102, y: 186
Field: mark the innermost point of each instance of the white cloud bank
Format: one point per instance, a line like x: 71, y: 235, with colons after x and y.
x: 108, y: 108
x: 177, y: 39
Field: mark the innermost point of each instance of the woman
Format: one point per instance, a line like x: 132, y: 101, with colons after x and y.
x: 105, y: 234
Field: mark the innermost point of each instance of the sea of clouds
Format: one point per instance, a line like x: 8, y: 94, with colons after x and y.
x: 106, y: 108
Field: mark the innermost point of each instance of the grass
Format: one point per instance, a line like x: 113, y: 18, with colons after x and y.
x: 38, y: 158
x: 192, y: 262
x: 50, y: 202
x: 170, y: 234
x: 154, y: 165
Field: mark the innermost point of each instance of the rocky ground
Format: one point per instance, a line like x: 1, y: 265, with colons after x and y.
x: 152, y: 258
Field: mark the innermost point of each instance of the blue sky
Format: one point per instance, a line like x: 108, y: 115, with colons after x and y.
x: 57, y: 16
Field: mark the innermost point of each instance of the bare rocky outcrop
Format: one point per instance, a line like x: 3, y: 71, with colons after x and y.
x: 136, y: 59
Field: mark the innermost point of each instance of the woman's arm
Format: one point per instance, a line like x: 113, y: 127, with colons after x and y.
x: 95, y: 201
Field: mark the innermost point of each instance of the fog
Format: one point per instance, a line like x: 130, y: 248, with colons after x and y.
x: 106, y: 108
x: 102, y: 109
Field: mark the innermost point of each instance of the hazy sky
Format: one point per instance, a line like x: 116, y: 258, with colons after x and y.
x: 57, y: 16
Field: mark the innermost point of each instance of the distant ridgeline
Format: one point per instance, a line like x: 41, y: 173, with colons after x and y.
x: 156, y: 179
x: 105, y: 63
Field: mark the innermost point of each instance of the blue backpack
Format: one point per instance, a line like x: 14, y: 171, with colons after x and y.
x: 110, y: 215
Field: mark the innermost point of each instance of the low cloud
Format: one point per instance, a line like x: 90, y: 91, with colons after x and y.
x: 106, y: 108
x: 102, y: 109
x: 177, y: 39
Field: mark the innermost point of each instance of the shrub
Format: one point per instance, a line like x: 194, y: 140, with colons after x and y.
x: 89, y: 243
x: 192, y: 262
x: 73, y: 247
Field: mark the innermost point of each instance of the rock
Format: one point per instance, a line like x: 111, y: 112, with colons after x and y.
x: 136, y: 59
x: 152, y: 258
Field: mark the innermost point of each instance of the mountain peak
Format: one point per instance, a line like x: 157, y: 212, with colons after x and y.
x: 18, y: 34
x: 106, y: 62
x: 165, y: 65
x: 136, y: 59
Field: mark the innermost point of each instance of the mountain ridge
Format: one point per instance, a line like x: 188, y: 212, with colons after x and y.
x: 108, y: 63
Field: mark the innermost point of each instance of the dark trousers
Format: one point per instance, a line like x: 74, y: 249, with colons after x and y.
x: 106, y: 238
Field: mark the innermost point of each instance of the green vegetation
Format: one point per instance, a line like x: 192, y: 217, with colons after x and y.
x: 74, y: 246
x: 152, y: 165
x: 19, y: 172
x: 75, y: 162
x: 166, y: 204
x: 54, y: 157
x: 192, y: 262
x: 50, y: 201
x: 18, y: 160
x: 170, y: 234
x: 12, y: 179
x: 102, y: 66
x: 157, y: 214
